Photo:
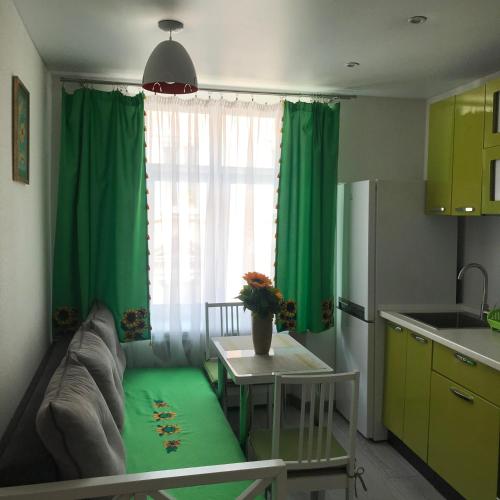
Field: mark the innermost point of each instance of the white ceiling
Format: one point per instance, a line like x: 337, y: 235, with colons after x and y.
x: 279, y: 44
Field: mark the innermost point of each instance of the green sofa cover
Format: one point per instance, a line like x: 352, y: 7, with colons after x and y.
x: 173, y: 420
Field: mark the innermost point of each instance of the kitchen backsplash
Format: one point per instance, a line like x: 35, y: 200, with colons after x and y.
x: 479, y: 241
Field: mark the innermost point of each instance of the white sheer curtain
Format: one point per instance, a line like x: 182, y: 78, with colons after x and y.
x: 212, y: 167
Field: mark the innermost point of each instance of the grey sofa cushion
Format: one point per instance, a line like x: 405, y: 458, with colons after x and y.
x: 76, y: 426
x: 101, y: 320
x: 24, y: 459
x: 91, y: 351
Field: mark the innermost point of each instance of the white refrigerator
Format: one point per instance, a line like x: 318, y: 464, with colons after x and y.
x: 387, y: 252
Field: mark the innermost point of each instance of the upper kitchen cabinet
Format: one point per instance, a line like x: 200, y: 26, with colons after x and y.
x: 468, y: 153
x: 492, y: 115
x: 491, y: 181
x: 440, y: 157
x: 455, y: 159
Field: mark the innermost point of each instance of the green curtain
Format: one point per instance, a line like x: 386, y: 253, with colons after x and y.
x: 306, y: 215
x: 101, y: 233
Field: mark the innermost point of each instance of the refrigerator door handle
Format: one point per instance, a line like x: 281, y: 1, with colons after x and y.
x: 351, y: 308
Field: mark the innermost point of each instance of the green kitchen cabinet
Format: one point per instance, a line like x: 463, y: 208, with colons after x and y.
x: 408, y: 363
x: 417, y: 393
x: 394, y: 379
x: 440, y: 157
x: 468, y: 152
x: 463, y: 439
x: 472, y: 375
x: 492, y: 115
x: 491, y: 181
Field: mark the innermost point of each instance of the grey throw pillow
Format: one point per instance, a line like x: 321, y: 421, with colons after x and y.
x: 76, y: 426
x: 91, y: 351
x: 102, y: 323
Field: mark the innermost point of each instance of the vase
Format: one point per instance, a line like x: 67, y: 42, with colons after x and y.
x: 262, y: 331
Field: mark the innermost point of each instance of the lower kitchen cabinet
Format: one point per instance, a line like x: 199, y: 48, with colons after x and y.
x: 407, y: 387
x: 464, y: 434
x: 394, y: 379
x: 417, y: 393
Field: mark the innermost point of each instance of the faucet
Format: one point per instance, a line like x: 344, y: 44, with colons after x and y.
x: 474, y: 265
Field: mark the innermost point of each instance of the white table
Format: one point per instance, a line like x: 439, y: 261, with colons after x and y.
x: 237, y: 358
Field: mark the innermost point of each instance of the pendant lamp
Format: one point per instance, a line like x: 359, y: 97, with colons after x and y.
x: 169, y: 69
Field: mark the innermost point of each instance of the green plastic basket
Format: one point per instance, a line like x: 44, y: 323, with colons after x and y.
x: 494, y: 319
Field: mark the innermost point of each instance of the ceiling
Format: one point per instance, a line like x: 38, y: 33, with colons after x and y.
x: 278, y: 44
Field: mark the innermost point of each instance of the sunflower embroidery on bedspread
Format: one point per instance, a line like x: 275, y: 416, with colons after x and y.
x: 164, y: 415
x: 166, y: 429
x: 171, y: 446
x: 158, y: 403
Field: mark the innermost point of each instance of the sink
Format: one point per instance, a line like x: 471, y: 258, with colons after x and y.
x: 448, y: 319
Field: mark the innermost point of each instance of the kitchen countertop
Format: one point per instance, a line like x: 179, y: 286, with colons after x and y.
x: 479, y: 344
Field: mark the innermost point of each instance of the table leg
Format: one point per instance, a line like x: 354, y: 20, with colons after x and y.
x: 221, y: 381
x: 245, y: 405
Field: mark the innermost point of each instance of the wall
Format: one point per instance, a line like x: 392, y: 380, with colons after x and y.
x: 479, y: 241
x: 24, y: 234
x: 380, y: 138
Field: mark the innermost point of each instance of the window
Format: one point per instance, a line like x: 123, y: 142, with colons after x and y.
x: 212, y: 168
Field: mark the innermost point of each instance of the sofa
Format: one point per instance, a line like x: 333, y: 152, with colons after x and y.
x: 97, y: 418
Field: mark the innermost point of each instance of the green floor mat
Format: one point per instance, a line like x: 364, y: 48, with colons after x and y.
x: 173, y: 420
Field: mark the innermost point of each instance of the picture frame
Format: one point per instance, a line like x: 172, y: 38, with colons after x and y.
x: 20, y: 131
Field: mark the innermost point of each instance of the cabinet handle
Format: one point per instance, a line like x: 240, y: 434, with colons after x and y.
x: 437, y: 210
x: 465, y: 209
x: 465, y: 359
x: 398, y: 329
x: 461, y: 395
x: 420, y: 339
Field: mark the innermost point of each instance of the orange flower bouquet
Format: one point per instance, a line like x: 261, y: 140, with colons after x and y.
x: 259, y: 295
x: 264, y: 300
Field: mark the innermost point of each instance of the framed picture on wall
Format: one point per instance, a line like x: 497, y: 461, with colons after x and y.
x: 20, y: 132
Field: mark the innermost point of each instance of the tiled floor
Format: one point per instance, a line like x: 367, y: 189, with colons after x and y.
x: 388, y: 476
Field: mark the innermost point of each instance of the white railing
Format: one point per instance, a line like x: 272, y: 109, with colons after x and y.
x: 263, y: 473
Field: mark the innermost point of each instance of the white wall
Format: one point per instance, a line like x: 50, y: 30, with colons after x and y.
x: 380, y: 138
x: 479, y: 241
x: 24, y: 234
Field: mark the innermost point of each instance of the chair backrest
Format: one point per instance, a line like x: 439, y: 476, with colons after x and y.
x: 315, y: 445
x: 226, y: 318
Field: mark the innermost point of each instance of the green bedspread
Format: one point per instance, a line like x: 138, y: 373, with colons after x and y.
x: 173, y: 420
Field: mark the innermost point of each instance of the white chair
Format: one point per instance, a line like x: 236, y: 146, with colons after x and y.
x: 315, y: 459
x: 228, y: 319
x: 227, y: 316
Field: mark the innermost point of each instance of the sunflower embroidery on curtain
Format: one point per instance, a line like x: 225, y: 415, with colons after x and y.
x: 101, y: 233
x: 305, y: 233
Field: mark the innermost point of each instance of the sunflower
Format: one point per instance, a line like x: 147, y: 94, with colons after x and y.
x: 158, y: 403
x: 164, y: 415
x: 129, y: 319
x: 65, y: 316
x: 167, y: 429
x: 257, y: 280
x: 288, y: 309
x: 171, y: 445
